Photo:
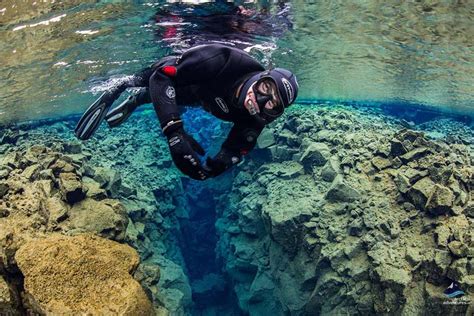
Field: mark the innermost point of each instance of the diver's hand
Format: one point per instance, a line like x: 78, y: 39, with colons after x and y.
x: 221, y: 162
x: 184, y: 151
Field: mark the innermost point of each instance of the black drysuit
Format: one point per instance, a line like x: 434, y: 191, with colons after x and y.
x: 208, y: 75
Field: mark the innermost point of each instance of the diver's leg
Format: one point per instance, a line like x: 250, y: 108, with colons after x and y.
x: 122, y: 112
x: 97, y: 111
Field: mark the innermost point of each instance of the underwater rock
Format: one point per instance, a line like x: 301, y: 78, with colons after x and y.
x: 286, y: 170
x: 46, y: 174
x: 340, y: 191
x: 330, y: 170
x: 72, y: 147
x: 392, y: 277
x: 102, y: 176
x: 62, y: 166
x: 32, y: 172
x: 281, y: 153
x: 147, y: 274
x: 458, y: 269
x: 11, y: 160
x: 442, y: 234
x: 81, y: 275
x: 414, y: 154
x: 356, y: 227
x: 9, y: 302
x: 413, y: 256
x: 402, y: 182
x: 107, y: 218
x: 469, y: 210
x: 5, y: 172
x: 381, y: 163
x: 315, y: 154
x: 110, y: 180
x: 326, y: 287
x: 440, y: 201
x: 397, y: 148
x: 174, y: 287
x: 266, y: 138
x: 58, y: 210
x: 94, y: 191
x: 408, y: 135
x: 71, y: 187
x: 458, y: 249
x: 421, y: 191
x: 4, y: 187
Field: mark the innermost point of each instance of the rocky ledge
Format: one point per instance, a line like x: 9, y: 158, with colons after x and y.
x: 347, y: 212
x: 338, y: 211
x: 50, y: 197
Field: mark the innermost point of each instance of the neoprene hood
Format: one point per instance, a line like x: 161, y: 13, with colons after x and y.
x: 286, y: 83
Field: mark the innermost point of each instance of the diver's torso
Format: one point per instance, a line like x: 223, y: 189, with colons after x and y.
x: 223, y: 70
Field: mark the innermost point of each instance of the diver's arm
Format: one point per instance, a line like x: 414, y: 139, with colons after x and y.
x: 184, y: 149
x: 241, y: 140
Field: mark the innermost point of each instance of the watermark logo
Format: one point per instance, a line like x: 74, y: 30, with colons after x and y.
x: 453, y: 291
x: 455, y: 295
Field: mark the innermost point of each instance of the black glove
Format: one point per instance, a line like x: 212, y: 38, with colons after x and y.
x: 184, y: 150
x: 221, y: 162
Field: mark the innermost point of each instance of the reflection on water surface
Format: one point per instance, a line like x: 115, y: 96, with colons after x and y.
x: 55, y: 53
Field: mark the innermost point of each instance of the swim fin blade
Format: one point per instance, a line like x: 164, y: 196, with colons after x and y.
x: 122, y: 112
x: 92, y: 118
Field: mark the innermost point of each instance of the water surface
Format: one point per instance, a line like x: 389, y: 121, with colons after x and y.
x: 56, y: 55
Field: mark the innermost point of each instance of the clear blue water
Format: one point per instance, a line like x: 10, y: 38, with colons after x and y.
x: 57, y: 56
x: 414, y: 60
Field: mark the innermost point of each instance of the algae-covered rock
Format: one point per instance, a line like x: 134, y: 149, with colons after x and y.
x: 71, y: 187
x: 4, y: 187
x: 458, y: 249
x: 58, y: 210
x: 421, y: 191
x: 106, y: 218
x: 9, y: 299
x: 32, y: 172
x: 381, y: 162
x: 440, y: 201
x: 315, y: 154
x: 402, y: 182
x: 397, y: 148
x: 266, y: 138
x: 330, y: 170
x: 414, y: 154
x: 288, y: 206
x: 340, y: 191
x: 393, y: 277
x: 81, y: 275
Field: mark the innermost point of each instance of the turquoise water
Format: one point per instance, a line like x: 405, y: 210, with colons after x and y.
x: 413, y: 61
x: 57, y: 56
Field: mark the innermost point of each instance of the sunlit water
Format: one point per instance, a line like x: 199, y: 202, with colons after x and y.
x: 56, y: 55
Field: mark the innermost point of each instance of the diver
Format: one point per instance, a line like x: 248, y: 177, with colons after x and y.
x: 225, y: 81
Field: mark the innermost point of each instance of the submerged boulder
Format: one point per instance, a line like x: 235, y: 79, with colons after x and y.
x: 440, y: 201
x: 315, y: 154
x: 107, y: 218
x: 71, y: 187
x: 84, y: 274
x: 340, y: 191
x: 421, y: 191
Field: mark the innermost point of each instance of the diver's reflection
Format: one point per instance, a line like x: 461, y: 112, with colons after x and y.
x: 182, y: 24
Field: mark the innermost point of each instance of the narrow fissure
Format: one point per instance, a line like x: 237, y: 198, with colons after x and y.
x: 212, y: 291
